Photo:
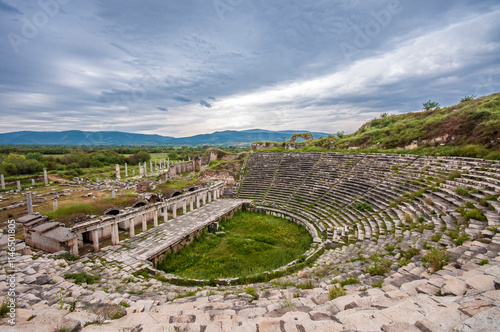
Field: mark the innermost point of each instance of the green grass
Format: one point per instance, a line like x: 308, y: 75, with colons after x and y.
x: 335, y: 292
x: 251, y: 291
x: 72, y: 210
x: 252, y: 243
x: 484, y: 262
x: 82, y: 277
x: 363, y: 207
x: 4, y: 309
x: 69, y: 211
x: 352, y: 280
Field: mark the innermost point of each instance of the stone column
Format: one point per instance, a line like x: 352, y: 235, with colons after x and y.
x: 117, y: 168
x: 151, y: 167
x: 75, y: 248
x: 115, y: 239
x: 45, y: 178
x: 145, y: 169
x: 30, y: 203
x: 113, y: 193
x: 2, y: 180
x: 54, y: 204
x: 197, y: 201
x: 165, y: 214
x: 18, y: 185
x: 132, y: 227
x: 209, y: 196
x: 95, y: 239
x: 126, y: 170
x: 144, y: 224
x: 174, y: 210
x: 155, y: 218
x: 191, y: 204
x: 204, y: 198
x: 184, y: 210
x: 32, y: 182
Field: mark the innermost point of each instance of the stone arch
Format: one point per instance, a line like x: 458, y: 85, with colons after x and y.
x: 112, y: 211
x: 193, y: 188
x: 139, y: 202
x: 305, y: 136
x: 176, y: 193
x: 153, y: 198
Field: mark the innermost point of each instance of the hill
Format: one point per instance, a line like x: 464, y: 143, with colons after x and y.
x: 468, y: 129
x: 474, y: 122
x: 76, y: 137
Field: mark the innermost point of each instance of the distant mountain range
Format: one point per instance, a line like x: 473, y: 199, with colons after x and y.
x: 76, y: 137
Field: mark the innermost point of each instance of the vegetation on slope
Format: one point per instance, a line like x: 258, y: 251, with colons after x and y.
x: 251, y: 243
x: 468, y: 129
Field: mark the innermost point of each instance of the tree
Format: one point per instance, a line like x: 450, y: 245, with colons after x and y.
x: 430, y: 105
x: 468, y: 98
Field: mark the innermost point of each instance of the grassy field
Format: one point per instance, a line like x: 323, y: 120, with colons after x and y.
x: 252, y: 243
x: 77, y: 206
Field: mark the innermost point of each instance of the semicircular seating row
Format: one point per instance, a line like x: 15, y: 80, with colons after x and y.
x: 333, y: 190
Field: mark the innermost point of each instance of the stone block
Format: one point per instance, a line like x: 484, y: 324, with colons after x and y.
x: 454, y: 286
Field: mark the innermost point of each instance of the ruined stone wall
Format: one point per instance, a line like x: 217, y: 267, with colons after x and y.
x: 177, y: 169
x: 264, y: 145
x: 305, y: 136
x: 220, y: 175
x: 39, y: 241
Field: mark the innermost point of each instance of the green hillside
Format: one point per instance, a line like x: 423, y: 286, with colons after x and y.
x: 469, y: 129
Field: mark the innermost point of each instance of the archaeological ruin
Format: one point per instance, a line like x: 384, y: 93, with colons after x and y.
x: 400, y: 243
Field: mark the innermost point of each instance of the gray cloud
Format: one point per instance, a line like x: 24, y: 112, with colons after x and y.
x: 206, y: 104
x: 5, y: 7
x: 105, y: 65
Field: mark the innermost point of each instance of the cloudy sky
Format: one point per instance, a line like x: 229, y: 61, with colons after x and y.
x: 180, y: 68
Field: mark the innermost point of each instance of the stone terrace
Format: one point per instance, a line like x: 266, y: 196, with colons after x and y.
x: 133, y: 252
x: 413, y: 203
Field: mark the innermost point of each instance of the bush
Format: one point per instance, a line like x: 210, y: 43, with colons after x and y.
x: 363, y: 207
x: 4, y: 309
x: 436, y: 259
x: 335, y: 292
x: 308, y: 284
x: 251, y: 291
x: 430, y: 105
x: 467, y: 98
x: 379, y: 267
x: 352, y: 280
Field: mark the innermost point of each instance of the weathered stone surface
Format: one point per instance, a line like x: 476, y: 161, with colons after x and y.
x: 252, y: 312
x: 454, y: 286
x: 442, y: 319
x: 485, y: 321
x: 482, y: 282
x: 474, y: 307
x: 427, y: 288
x: 400, y: 327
